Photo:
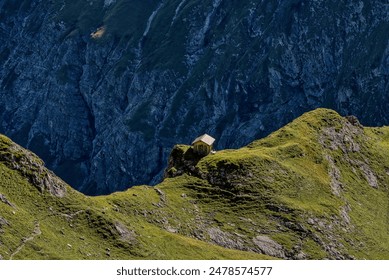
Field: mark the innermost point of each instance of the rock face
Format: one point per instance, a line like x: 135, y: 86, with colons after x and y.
x: 31, y: 167
x: 101, y: 90
x: 269, y: 246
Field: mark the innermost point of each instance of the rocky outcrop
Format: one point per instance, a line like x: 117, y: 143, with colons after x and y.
x: 101, y: 90
x: 31, y: 167
x: 182, y: 160
x: 6, y: 201
x: 269, y: 246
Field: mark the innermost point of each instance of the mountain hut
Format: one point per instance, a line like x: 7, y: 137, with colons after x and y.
x: 203, y: 144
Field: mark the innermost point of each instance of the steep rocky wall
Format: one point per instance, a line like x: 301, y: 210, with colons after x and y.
x: 102, y: 90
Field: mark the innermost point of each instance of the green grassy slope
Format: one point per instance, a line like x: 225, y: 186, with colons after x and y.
x: 315, y: 189
x: 36, y: 223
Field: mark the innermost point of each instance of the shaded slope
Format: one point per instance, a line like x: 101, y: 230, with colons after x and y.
x: 102, y: 90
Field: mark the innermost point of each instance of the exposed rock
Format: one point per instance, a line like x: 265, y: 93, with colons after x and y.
x: 125, y: 234
x: 32, y: 167
x: 345, y: 138
x: 3, y: 222
x: 162, y: 198
x: 334, y: 173
x: 329, y: 233
x: 108, y: 2
x: 225, y: 239
x: 269, y: 247
x: 344, y: 214
x: 342, y: 138
x: 354, y: 121
x: 171, y: 229
x: 182, y: 160
x: 301, y: 256
x: 311, y: 221
x: 6, y: 201
x: 371, y: 178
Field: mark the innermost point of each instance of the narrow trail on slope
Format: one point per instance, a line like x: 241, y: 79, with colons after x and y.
x: 35, y: 233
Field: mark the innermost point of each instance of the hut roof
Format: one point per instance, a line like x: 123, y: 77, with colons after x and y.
x: 205, y: 138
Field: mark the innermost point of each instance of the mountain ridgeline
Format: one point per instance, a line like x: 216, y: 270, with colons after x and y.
x: 101, y: 90
x: 315, y: 189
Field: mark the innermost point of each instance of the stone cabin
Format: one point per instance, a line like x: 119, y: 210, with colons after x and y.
x: 203, y: 144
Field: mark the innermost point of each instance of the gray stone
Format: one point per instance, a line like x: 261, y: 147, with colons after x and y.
x: 269, y: 247
x: 3, y: 222
x: 125, y: 234
x: 225, y: 239
x: 33, y: 168
x: 6, y: 201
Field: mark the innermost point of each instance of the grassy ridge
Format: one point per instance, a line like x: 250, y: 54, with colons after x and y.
x: 318, y: 187
x: 37, y: 225
x: 315, y: 189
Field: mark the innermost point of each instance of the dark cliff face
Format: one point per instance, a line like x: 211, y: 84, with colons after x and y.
x: 101, y: 90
